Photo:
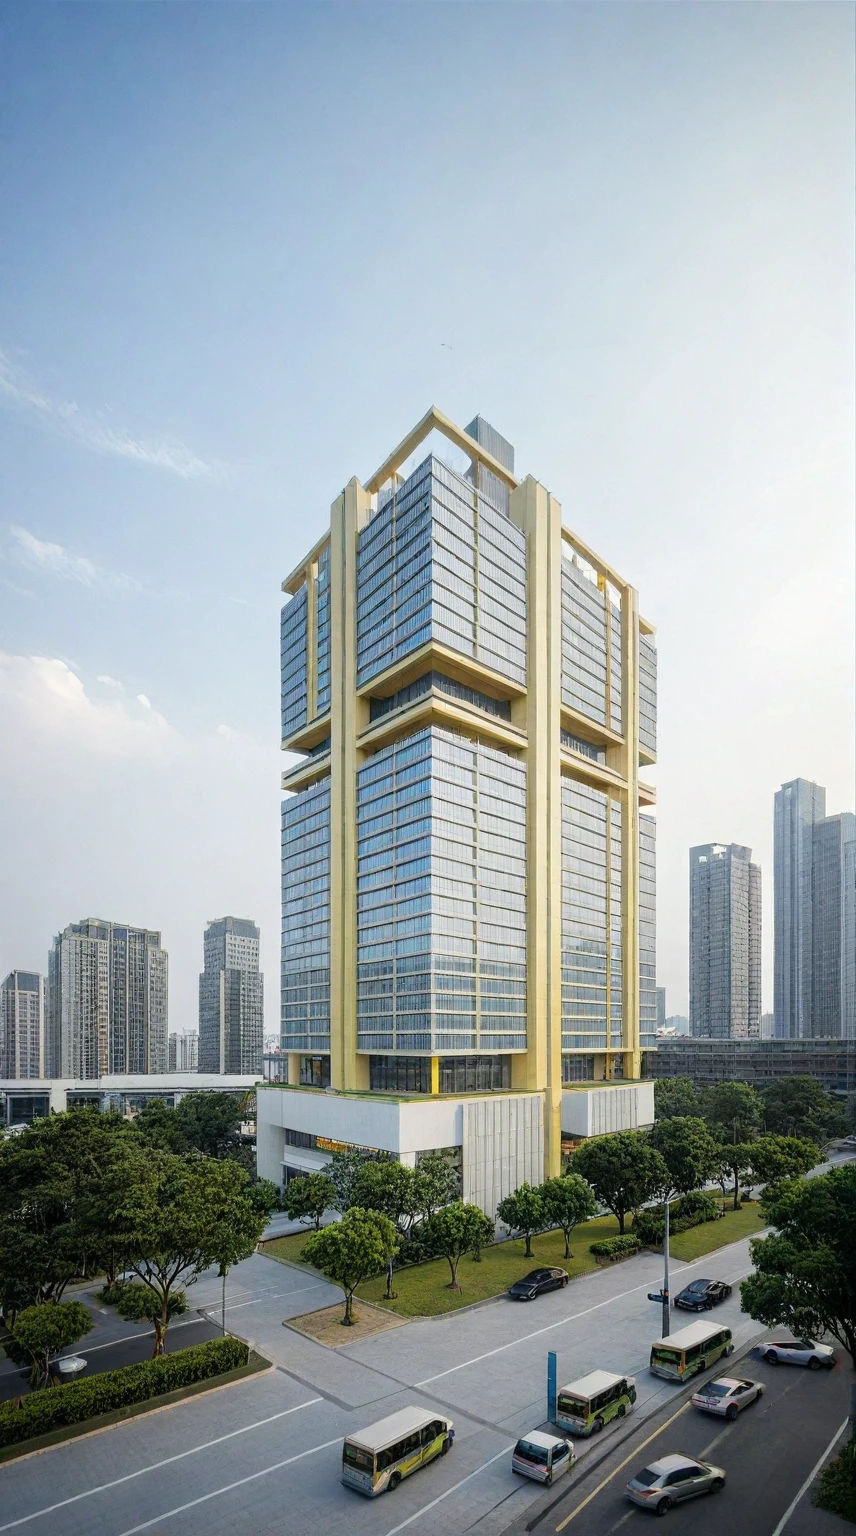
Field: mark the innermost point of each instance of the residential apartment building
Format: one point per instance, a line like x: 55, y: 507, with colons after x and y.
x: 231, y: 998
x: 107, y: 1001
x: 833, y: 888
x: 22, y: 1025
x: 797, y: 806
x: 183, y: 1053
x: 725, y: 942
x: 468, y: 882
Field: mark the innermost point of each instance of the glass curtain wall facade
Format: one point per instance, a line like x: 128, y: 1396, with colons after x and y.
x: 466, y: 812
x: 306, y: 920
x: 441, y: 897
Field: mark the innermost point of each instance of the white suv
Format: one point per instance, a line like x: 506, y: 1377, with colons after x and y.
x: 798, y: 1352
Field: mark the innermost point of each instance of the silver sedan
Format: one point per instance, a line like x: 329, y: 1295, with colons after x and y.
x: 672, y: 1479
x: 727, y: 1395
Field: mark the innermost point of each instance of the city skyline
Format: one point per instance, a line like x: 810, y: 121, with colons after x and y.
x: 675, y: 357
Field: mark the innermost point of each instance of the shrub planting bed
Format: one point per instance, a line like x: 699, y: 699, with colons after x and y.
x: 76, y: 1402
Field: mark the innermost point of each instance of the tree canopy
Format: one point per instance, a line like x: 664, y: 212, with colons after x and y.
x: 805, y: 1272
x: 566, y: 1202
x: 734, y: 1111
x: 774, y: 1158
x: 40, y: 1332
x: 457, y: 1229
x: 802, y: 1107
x: 624, y: 1171
x: 675, y: 1096
x: 308, y: 1198
x: 523, y: 1213
x: 351, y: 1250
x: 688, y: 1150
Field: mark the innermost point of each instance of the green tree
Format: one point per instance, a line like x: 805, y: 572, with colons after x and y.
x: 435, y: 1183
x: 46, y: 1173
x: 176, y: 1218
x: 210, y: 1122
x: 159, y: 1126
x: 566, y: 1202
x: 735, y: 1160
x: 781, y: 1157
x: 801, y: 1106
x: 523, y: 1213
x: 734, y: 1111
x: 343, y: 1169
x: 139, y: 1304
x: 40, y: 1332
x: 805, y: 1272
x: 351, y: 1250
x: 624, y: 1171
x: 457, y: 1229
x: 386, y: 1187
x: 308, y: 1198
x: 263, y: 1195
x: 675, y: 1096
x: 688, y: 1151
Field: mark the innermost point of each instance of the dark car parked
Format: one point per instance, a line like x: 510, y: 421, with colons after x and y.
x: 536, y: 1281
x: 701, y: 1295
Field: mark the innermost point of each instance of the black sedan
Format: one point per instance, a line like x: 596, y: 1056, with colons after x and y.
x: 701, y: 1295
x: 536, y: 1281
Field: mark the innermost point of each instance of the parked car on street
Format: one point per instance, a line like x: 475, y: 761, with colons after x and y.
x: 701, y: 1295
x: 542, y: 1457
x: 799, y: 1352
x: 672, y: 1479
x: 536, y: 1281
x: 727, y: 1395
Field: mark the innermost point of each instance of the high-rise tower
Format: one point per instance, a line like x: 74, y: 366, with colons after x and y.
x: 231, y: 998
x: 107, y: 1001
x: 797, y: 806
x: 467, y: 881
x: 22, y: 1025
x: 725, y: 942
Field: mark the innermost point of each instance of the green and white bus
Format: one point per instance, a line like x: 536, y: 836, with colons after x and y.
x: 378, y: 1458
x: 690, y: 1350
x: 586, y: 1405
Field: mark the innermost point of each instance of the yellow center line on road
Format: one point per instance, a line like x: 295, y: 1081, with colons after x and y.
x: 633, y: 1454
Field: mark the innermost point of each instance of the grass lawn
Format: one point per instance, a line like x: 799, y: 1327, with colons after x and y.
x: 423, y: 1290
x: 715, y: 1234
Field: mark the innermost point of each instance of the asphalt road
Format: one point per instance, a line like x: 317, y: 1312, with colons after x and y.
x: 113, y: 1343
x: 767, y: 1455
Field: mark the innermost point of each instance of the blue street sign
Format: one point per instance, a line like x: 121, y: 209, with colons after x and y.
x: 551, y: 1386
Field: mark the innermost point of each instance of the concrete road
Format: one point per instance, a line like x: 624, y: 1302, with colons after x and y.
x: 769, y: 1455
x: 268, y: 1449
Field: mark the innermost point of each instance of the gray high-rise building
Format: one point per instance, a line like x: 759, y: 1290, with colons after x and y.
x: 725, y: 942
x: 231, y: 998
x: 107, y: 1001
x: 798, y: 806
x: 22, y: 1025
x: 833, y: 899
x: 661, y: 1007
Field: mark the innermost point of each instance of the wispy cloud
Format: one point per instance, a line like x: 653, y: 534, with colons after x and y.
x: 43, y: 697
x: 94, y: 431
x: 41, y: 555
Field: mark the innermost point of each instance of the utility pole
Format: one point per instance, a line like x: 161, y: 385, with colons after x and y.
x: 666, y: 1301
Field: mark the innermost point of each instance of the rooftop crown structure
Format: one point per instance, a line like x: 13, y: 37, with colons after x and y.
x: 467, y: 881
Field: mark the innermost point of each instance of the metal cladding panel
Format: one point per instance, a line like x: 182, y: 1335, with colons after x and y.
x: 601, y: 1111
x: 503, y: 1147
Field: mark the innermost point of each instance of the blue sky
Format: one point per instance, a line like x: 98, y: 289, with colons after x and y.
x: 245, y: 247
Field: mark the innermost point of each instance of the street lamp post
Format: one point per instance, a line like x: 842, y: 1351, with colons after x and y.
x: 666, y: 1302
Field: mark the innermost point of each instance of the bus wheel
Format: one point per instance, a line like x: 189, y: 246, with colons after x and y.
x: 394, y: 1481
x: 621, y: 1410
x: 446, y: 1446
x: 597, y: 1426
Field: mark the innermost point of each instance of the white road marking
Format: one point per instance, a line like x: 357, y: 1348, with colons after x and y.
x: 126, y: 1338
x: 232, y: 1306
x: 715, y: 1441
x: 676, y: 1270
x: 623, y: 1521
x: 228, y: 1487
x: 434, y: 1502
x: 88, y: 1493
x: 810, y: 1479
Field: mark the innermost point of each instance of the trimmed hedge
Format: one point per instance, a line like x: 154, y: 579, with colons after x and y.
x: 75, y: 1401
x: 690, y: 1211
x: 836, y: 1490
x: 614, y: 1247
